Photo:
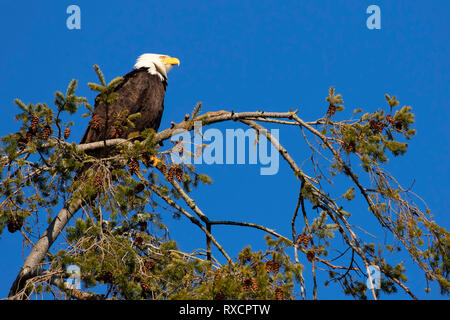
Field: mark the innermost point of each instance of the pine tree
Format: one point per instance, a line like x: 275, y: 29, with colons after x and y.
x: 119, y: 239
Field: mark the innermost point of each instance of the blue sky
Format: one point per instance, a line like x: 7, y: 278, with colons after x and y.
x: 246, y: 56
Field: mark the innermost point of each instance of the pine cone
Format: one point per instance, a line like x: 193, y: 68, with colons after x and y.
x: 149, y: 264
x: 179, y: 173
x: 66, y: 133
x: 299, y: 239
x: 219, y: 296
x: 254, y: 284
x: 306, y: 240
x: 117, y: 132
x: 268, y: 266
x: 145, y: 287
x: 377, y: 126
x: 46, y: 132
x: 143, y: 226
x: 273, y: 266
x: 138, y: 241
x: 310, y: 255
x: 171, y: 173
x: 303, y: 239
x: 139, y: 188
x: 279, y: 294
x: 331, y: 110
x: 14, y: 224
x: 34, y: 124
x: 390, y: 119
x: 246, y: 284
x: 276, y: 267
x: 106, y: 277
x: 97, y: 122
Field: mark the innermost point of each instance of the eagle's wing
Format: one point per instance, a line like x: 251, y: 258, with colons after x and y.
x: 138, y: 92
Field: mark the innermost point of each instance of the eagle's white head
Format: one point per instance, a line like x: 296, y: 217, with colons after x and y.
x: 159, y: 64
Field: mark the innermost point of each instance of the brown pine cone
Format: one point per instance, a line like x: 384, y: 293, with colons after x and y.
x: 14, y: 224
x: 139, y: 188
x: 276, y: 267
x: 179, y: 173
x: 143, y: 226
x: 268, y: 266
x: 219, y: 296
x: 299, y: 239
x: 46, y: 132
x: 106, y: 277
x: 390, y: 119
x: 254, y: 284
x: 171, y: 173
x: 117, y: 132
x: 97, y: 123
x: 310, y: 255
x: 377, y: 126
x: 273, y: 266
x: 246, y: 284
x: 66, y: 133
x: 145, y: 287
x: 279, y: 294
x: 138, y: 241
x: 149, y: 264
x: 331, y: 110
x: 303, y: 239
x: 34, y: 123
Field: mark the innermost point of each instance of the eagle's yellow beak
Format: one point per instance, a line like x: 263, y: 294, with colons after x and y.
x: 172, y: 61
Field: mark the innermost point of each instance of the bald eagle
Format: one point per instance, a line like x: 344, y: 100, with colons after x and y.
x: 141, y: 91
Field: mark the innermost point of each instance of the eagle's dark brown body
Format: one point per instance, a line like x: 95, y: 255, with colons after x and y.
x: 140, y: 92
